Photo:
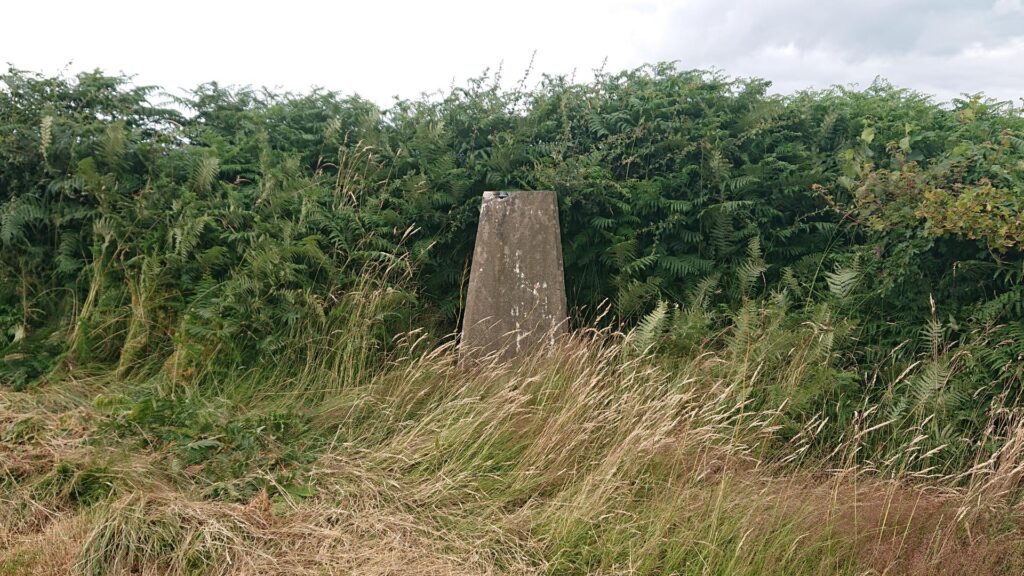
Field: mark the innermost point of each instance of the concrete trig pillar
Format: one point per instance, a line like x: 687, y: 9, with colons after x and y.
x: 516, y: 299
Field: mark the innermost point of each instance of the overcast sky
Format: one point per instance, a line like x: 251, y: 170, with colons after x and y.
x: 385, y: 48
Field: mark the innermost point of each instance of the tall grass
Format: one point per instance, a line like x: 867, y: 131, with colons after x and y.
x: 592, y: 457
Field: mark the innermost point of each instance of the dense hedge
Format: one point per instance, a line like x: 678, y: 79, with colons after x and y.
x: 134, y: 223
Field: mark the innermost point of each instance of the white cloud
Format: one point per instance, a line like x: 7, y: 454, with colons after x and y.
x: 394, y: 47
x: 1008, y: 7
x: 940, y: 47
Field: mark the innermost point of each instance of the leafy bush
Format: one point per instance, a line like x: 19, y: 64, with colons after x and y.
x: 234, y: 229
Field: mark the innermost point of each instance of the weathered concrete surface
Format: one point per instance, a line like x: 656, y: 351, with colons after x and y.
x: 516, y: 299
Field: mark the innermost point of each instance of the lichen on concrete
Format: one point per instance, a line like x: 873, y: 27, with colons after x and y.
x: 516, y: 300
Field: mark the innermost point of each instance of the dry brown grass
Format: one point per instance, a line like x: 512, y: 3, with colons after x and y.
x: 584, y: 460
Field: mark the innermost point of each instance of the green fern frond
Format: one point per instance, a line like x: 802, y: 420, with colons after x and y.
x: 843, y: 281
x: 17, y: 215
x: 752, y: 269
x: 650, y: 328
x: 203, y: 174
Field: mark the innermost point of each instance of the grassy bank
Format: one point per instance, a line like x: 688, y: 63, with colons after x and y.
x: 798, y: 337
x: 593, y: 458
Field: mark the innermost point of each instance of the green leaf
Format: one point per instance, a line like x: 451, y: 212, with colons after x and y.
x: 867, y: 135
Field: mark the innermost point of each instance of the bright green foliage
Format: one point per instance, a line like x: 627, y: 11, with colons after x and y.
x: 230, y: 228
x: 133, y: 229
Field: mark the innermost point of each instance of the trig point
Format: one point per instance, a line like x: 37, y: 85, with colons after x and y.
x: 516, y: 299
